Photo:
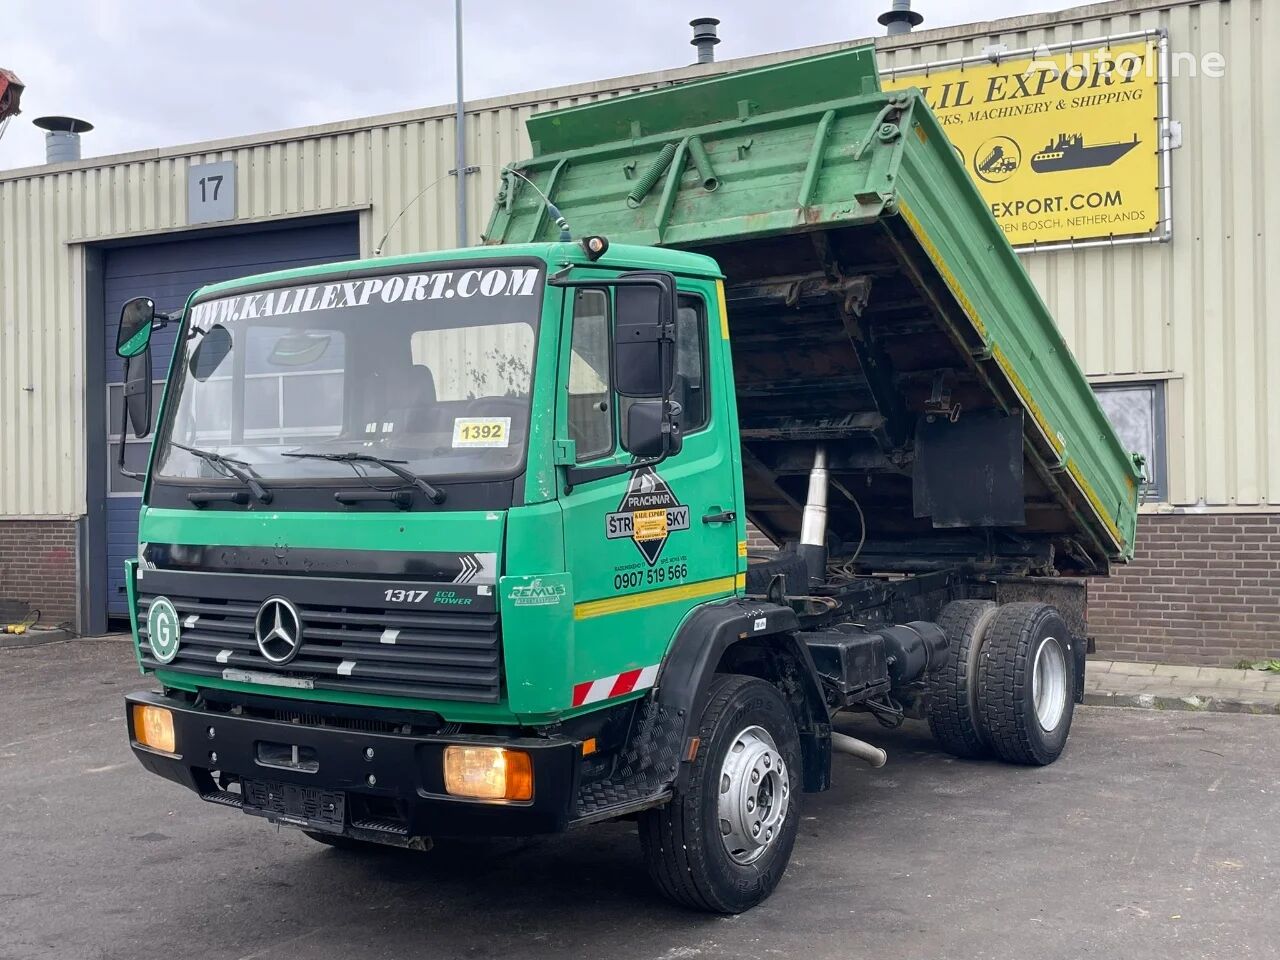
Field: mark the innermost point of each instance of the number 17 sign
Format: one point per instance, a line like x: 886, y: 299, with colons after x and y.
x: 211, y: 192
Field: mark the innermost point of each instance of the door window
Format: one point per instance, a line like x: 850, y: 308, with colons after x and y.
x: 689, y: 387
x: 590, y: 392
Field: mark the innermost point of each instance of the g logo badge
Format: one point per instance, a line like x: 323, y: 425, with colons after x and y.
x: 163, y: 631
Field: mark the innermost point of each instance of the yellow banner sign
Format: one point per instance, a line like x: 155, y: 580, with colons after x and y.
x: 1063, y: 146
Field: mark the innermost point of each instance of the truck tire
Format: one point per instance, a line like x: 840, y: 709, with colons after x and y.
x: 722, y: 844
x: 1025, y: 683
x: 763, y: 567
x: 953, y: 690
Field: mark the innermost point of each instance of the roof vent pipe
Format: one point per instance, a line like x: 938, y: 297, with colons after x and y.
x: 704, y: 38
x: 62, y: 137
x: 900, y: 18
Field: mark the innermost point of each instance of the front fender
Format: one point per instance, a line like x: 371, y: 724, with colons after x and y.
x: 760, y: 638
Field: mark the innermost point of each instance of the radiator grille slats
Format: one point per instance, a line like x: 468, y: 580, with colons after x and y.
x: 440, y: 655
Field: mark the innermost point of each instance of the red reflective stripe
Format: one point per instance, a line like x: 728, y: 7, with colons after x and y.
x: 625, y: 683
x: 580, y: 693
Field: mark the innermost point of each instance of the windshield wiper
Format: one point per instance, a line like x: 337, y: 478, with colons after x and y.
x: 434, y: 494
x: 229, y: 467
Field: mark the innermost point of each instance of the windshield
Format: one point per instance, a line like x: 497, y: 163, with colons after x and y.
x: 430, y: 370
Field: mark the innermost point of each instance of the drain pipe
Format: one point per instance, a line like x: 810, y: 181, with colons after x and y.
x: 843, y: 743
x: 813, y: 525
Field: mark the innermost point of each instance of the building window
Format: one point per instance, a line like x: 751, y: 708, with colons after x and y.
x: 1136, y: 410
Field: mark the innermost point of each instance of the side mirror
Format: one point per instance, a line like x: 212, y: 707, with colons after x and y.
x: 137, y: 403
x: 137, y: 392
x: 134, y: 335
x: 653, y: 429
x: 210, y: 353
x: 644, y: 334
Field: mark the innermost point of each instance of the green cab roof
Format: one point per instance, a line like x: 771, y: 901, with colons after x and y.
x: 556, y: 254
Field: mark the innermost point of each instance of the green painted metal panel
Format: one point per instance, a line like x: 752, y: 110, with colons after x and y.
x: 760, y: 155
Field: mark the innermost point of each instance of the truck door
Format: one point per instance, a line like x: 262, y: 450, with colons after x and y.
x: 645, y: 547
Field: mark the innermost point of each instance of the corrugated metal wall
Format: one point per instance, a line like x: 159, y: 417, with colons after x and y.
x: 1193, y: 311
x: 45, y: 218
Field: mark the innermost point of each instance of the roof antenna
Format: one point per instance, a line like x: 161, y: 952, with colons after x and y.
x: 556, y: 216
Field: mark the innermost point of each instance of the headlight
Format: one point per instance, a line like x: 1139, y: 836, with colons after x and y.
x: 488, y: 773
x: 153, y: 727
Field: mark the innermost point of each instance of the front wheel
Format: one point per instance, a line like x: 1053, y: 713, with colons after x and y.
x: 723, y: 844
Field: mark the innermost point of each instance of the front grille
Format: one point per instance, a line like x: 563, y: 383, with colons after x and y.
x: 446, y: 655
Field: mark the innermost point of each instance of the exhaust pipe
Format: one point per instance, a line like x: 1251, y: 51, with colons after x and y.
x: 705, y: 38
x: 813, y: 525
x: 900, y: 18
x: 62, y: 137
x: 843, y: 743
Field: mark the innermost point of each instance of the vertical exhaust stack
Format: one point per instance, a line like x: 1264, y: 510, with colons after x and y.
x: 705, y: 38
x: 62, y: 137
x: 813, y: 525
x: 900, y: 18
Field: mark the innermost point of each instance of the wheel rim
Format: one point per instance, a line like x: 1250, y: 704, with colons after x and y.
x: 755, y: 793
x: 1049, y: 683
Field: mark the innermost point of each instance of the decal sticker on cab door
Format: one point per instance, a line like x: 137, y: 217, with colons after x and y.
x: 648, y: 514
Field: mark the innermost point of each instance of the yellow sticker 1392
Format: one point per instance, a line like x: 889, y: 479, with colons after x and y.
x: 481, y: 431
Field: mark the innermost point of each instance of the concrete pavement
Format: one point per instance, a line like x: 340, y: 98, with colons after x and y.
x: 1154, y: 836
x: 1174, y: 687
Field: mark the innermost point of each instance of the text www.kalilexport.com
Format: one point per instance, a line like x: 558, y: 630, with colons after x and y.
x: 1034, y: 206
x: 1096, y: 200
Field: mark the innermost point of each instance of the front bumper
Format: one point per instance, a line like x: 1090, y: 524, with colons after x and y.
x: 384, y: 783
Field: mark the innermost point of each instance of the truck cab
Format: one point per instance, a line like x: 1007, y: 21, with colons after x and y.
x: 553, y: 535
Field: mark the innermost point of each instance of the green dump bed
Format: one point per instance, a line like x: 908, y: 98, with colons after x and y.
x: 874, y: 306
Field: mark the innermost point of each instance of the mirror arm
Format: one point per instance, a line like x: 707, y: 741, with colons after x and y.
x: 124, y: 427
x: 576, y: 475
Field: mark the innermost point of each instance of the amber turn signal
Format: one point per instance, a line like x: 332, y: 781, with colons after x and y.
x: 153, y: 727
x: 488, y: 773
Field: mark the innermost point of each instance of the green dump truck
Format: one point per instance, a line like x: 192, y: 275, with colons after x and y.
x: 500, y: 581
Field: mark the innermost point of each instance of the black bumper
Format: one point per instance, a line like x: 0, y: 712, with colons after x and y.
x: 382, y: 783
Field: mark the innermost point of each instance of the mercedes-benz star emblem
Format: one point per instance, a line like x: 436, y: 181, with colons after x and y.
x: 278, y: 630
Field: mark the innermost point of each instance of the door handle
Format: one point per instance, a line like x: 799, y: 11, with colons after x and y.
x: 725, y: 516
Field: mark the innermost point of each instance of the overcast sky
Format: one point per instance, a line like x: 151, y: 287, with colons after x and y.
x: 157, y: 72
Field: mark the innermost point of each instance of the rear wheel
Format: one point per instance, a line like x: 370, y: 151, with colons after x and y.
x: 953, y: 693
x: 723, y: 844
x: 1026, y: 676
